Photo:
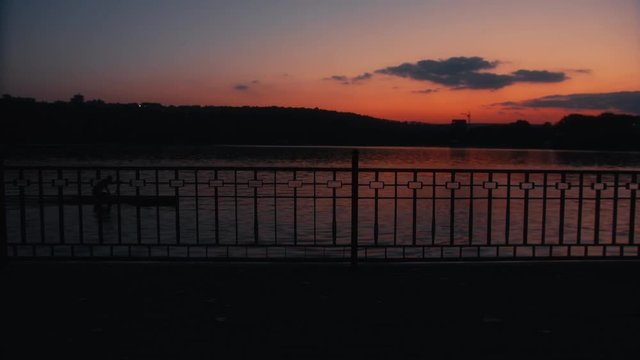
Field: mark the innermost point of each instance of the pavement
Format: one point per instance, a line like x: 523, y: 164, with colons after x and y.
x: 200, y: 310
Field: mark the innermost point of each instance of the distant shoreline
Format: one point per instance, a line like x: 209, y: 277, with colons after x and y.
x: 4, y: 147
x: 28, y: 122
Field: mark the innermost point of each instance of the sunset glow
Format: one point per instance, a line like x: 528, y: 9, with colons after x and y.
x: 341, y: 55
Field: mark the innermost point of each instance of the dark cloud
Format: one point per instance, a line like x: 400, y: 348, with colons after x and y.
x: 425, y: 91
x: 539, y: 76
x: 339, y: 78
x: 510, y: 105
x: 241, y: 87
x: 445, y: 72
x: 363, y: 77
x: 247, y: 86
x: 468, y: 73
x: 581, y: 71
x: 482, y: 81
x: 625, y: 101
x: 344, y: 80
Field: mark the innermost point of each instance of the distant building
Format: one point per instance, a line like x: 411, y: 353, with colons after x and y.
x: 77, y: 99
x: 459, y: 124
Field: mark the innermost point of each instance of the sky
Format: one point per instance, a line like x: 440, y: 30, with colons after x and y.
x: 428, y: 60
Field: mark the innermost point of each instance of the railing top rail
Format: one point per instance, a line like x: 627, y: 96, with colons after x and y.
x: 321, y: 169
x: 179, y: 167
x: 498, y: 170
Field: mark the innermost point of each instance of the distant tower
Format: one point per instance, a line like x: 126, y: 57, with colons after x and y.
x: 468, y: 116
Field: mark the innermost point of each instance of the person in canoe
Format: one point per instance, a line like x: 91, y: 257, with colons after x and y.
x: 101, y: 193
x: 101, y: 188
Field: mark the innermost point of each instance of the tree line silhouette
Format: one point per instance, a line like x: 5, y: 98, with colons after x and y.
x: 27, y: 121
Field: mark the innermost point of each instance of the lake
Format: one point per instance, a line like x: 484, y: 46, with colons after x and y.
x: 419, y: 157
x: 439, y: 209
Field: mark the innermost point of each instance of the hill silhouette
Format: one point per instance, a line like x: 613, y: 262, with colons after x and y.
x: 27, y: 121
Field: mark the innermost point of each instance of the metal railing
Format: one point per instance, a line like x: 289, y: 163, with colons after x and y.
x: 343, y: 214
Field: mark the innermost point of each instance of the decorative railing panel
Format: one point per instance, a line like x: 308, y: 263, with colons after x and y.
x: 319, y: 213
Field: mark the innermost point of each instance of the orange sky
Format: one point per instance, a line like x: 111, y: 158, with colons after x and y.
x: 280, y: 52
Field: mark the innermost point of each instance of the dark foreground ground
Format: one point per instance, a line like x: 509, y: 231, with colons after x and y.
x: 301, y: 311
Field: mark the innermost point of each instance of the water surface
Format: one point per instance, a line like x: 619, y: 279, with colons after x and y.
x: 403, y: 157
x: 301, y: 207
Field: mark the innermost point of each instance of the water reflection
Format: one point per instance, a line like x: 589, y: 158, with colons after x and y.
x: 290, y: 207
x: 402, y: 157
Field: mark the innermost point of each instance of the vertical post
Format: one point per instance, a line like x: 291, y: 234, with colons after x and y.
x: 197, y: 205
x: 354, y: 207
x: 176, y: 193
x: 632, y: 211
x: 596, y: 227
x: 525, y: 220
x: 256, y: 229
x: 295, y: 210
x: 563, y: 179
x: 4, y: 245
x: 61, y: 212
x: 376, y: 226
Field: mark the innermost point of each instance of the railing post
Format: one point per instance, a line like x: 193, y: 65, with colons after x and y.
x: 354, y: 207
x: 4, y: 244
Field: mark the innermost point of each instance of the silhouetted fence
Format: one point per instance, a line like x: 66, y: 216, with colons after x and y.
x: 343, y: 214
